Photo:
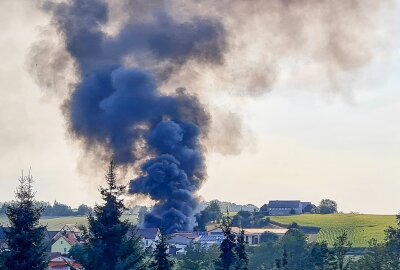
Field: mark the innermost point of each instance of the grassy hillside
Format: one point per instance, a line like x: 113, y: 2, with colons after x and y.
x: 56, y: 223
x: 360, y: 228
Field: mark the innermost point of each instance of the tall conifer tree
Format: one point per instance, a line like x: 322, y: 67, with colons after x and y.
x: 25, y: 236
x: 161, y: 259
x: 111, y: 243
x: 242, y: 260
x: 227, y: 258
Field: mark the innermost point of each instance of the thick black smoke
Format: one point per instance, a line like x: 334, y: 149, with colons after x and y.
x: 117, y: 106
x: 121, y: 109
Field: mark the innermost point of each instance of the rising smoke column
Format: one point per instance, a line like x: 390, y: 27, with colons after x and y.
x: 119, y: 107
x: 116, y: 106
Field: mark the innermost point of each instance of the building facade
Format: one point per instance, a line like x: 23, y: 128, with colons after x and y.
x: 284, y: 208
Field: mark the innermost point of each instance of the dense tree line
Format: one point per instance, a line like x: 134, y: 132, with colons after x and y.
x: 57, y: 209
x: 246, y: 219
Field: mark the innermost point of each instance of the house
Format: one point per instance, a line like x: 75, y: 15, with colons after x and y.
x: 286, y: 208
x: 177, y: 243
x: 210, y: 240
x: 63, y: 242
x: 192, y: 234
x: 264, y: 208
x: 71, y: 228
x: 252, y: 235
x: 149, y: 237
x: 50, y: 235
x: 63, y: 263
x: 308, y: 207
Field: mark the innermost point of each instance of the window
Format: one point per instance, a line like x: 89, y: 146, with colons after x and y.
x: 65, y: 250
x: 61, y: 242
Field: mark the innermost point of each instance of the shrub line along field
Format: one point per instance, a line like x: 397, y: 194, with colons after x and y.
x: 359, y: 228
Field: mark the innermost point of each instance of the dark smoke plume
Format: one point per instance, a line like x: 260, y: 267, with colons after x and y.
x: 121, y: 109
x: 127, y: 55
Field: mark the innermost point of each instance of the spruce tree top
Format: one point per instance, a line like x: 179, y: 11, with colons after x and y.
x: 111, y: 243
x: 25, y: 236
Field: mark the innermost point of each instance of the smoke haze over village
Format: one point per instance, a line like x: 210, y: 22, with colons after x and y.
x: 222, y: 105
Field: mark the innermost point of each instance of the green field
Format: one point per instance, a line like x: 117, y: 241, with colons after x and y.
x: 359, y: 228
x: 56, y: 223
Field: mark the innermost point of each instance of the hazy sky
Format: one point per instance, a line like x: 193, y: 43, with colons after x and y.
x: 309, y: 138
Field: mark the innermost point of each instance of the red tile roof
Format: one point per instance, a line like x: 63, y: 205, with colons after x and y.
x: 60, y: 262
x: 69, y: 237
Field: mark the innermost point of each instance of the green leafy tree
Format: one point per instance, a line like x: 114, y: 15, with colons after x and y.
x: 242, y: 259
x: 294, y: 242
x: 212, y: 213
x: 60, y: 209
x: 392, y: 242
x: 47, y: 208
x: 375, y: 259
x: 25, y: 236
x: 247, y: 219
x: 341, y: 247
x: 212, y: 255
x: 84, y: 210
x: 318, y: 255
x: 197, y: 257
x: 264, y: 256
x: 242, y: 219
x: 283, y: 262
x: 78, y: 253
x: 294, y: 225
x: 327, y: 206
x: 269, y: 237
x: 227, y: 258
x: 109, y: 242
x: 161, y: 259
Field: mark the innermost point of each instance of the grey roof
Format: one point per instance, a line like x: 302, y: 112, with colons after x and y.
x: 211, y: 238
x: 304, y: 204
x: 284, y: 204
x: 148, y: 233
x: 264, y: 208
x: 308, y: 207
x: 50, y: 234
x: 178, y: 239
